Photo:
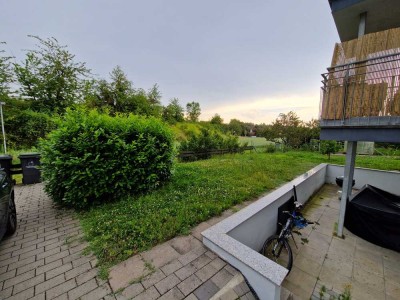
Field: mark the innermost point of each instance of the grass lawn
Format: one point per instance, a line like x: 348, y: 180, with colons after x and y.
x: 198, y: 191
x: 254, y: 141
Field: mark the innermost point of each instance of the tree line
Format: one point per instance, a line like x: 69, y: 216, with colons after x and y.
x: 50, y: 79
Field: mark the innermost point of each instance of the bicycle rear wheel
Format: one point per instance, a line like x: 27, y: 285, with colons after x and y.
x: 278, y: 251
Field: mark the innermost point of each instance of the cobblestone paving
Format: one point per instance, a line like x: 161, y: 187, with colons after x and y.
x: 44, y: 260
x: 181, y: 268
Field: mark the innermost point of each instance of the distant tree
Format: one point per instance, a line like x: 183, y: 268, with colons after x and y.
x: 6, y: 74
x: 173, y: 112
x: 236, y: 127
x: 287, y: 129
x: 269, y: 134
x: 216, y: 119
x: 121, y: 87
x: 154, y: 97
x: 119, y: 96
x: 329, y: 147
x: 193, y: 111
x: 313, y: 129
x: 259, y: 129
x: 50, y: 76
x: 248, y: 129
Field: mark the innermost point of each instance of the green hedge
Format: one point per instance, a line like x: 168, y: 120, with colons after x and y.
x: 93, y: 158
x: 24, y: 126
x: 208, y: 140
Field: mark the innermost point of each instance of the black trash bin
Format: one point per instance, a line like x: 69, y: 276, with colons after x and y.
x: 340, y: 179
x: 5, y: 163
x: 30, y: 163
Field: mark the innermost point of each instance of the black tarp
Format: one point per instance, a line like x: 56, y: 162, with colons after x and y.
x: 374, y: 215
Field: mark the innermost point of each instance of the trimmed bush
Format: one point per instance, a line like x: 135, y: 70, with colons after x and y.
x: 24, y: 126
x: 208, y: 140
x: 93, y: 158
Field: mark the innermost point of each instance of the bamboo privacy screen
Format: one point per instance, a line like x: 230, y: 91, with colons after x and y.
x: 363, y: 79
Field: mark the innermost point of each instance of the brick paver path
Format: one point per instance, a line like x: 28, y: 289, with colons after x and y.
x: 44, y: 260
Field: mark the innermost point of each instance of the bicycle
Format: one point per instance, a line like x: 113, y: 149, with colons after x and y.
x: 277, y: 247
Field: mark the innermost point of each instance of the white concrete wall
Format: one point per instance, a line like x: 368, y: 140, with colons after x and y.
x: 238, y: 239
x: 385, y: 180
x: 264, y: 288
x: 256, y: 229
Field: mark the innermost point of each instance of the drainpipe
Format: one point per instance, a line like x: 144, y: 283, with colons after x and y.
x: 350, y: 155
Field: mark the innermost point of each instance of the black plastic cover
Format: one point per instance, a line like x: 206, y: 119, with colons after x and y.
x: 374, y: 215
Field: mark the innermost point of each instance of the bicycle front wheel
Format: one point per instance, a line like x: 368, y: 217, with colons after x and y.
x: 278, y: 251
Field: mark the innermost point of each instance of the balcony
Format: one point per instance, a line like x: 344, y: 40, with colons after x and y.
x: 360, y: 95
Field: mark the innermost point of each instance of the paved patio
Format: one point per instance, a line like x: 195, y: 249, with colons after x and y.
x: 44, y: 260
x: 371, y: 272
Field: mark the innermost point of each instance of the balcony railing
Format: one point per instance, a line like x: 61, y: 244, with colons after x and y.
x: 363, y: 93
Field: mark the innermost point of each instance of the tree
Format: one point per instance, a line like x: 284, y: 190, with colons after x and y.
x: 328, y: 147
x: 313, y: 129
x: 154, y: 97
x: 6, y: 74
x: 193, y: 111
x: 120, y: 86
x: 50, y: 76
x: 216, y: 119
x: 287, y: 129
x: 119, y: 96
x: 173, y: 112
x: 236, y: 127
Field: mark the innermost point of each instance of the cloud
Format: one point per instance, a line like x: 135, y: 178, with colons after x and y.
x: 266, y: 109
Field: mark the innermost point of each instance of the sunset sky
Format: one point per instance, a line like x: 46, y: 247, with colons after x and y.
x: 249, y: 60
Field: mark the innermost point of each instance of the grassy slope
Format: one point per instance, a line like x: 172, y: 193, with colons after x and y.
x: 198, y: 191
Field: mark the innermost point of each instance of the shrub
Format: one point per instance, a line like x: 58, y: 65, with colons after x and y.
x: 93, y: 158
x: 270, y: 148
x: 208, y: 140
x: 25, y: 127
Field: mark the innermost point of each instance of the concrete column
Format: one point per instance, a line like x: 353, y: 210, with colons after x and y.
x: 347, y: 183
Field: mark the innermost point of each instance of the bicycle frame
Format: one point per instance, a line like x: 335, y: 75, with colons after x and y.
x: 285, y: 233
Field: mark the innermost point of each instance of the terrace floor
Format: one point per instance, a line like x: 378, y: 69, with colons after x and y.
x: 324, y: 260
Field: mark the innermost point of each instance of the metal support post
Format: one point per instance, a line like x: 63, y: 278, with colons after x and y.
x: 347, y: 183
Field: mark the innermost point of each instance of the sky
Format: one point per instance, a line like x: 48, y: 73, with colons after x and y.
x: 244, y: 59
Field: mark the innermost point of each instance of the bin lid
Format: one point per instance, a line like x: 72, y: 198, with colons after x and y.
x: 29, y: 155
x: 5, y: 157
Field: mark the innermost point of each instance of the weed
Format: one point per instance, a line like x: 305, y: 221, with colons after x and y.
x: 149, y: 266
x: 103, y: 272
x: 304, y: 241
x: 331, y: 295
x: 86, y: 251
x: 322, y: 292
